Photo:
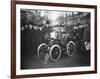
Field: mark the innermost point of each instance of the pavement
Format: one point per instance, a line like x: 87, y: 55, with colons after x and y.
x: 34, y: 62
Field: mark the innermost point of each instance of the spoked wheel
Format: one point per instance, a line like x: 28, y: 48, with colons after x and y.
x: 71, y: 48
x: 41, y: 49
x: 55, y: 52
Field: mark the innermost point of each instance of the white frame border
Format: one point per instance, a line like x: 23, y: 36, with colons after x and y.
x: 53, y: 70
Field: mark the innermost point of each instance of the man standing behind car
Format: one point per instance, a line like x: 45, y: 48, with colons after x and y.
x: 86, y: 37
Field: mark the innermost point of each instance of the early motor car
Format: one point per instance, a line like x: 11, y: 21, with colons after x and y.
x: 58, y: 40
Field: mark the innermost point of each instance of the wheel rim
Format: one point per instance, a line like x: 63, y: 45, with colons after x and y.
x: 55, y: 52
x: 71, y: 48
x: 41, y: 49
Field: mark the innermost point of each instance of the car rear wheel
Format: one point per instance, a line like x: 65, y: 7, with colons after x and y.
x: 70, y: 48
x: 41, y: 49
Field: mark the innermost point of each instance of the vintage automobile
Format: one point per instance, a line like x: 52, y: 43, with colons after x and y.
x: 57, y: 41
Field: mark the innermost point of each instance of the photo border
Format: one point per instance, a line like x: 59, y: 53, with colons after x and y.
x: 13, y: 38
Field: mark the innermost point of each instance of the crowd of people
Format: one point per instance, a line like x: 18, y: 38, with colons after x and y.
x: 35, y: 34
x: 34, y: 28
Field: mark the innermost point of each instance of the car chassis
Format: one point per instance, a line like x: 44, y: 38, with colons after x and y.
x: 57, y: 42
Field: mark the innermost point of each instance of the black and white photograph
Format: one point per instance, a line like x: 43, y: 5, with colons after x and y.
x: 52, y: 39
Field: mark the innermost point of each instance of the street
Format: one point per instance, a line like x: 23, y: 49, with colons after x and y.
x: 34, y: 62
